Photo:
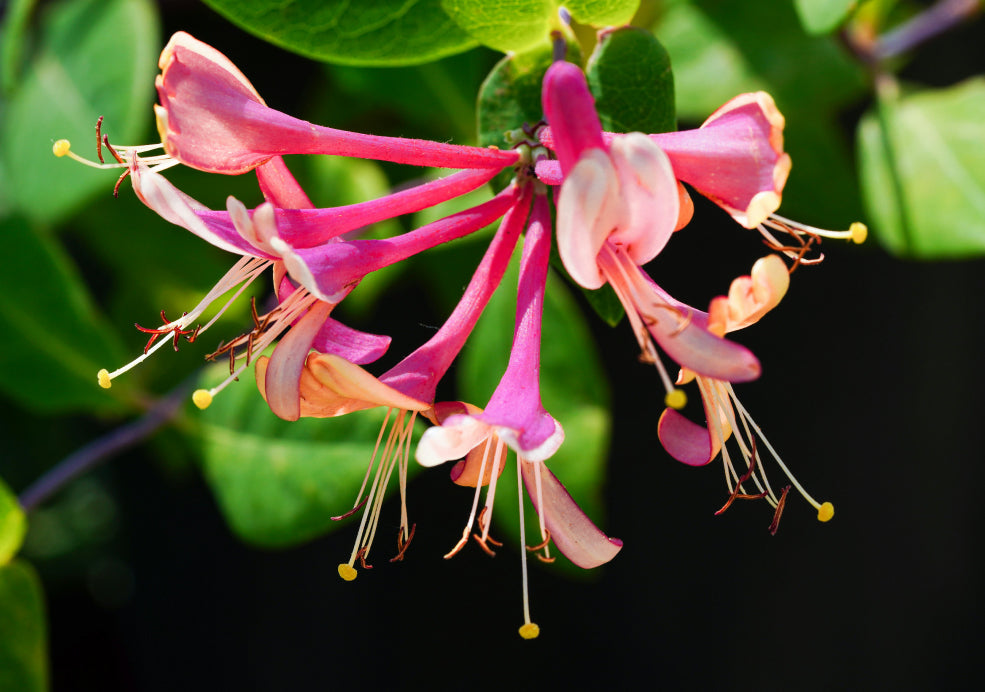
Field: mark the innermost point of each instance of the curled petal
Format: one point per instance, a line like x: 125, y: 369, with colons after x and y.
x: 588, y: 211
x: 350, y: 344
x: 282, y: 376
x: 572, y: 531
x: 693, y: 444
x: 750, y: 297
x: 453, y: 439
x: 650, y: 194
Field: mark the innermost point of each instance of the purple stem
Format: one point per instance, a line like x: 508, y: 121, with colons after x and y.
x: 106, y: 447
x: 943, y: 16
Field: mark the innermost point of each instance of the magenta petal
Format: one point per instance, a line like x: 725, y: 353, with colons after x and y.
x: 570, y: 111
x: 572, y: 531
x: 684, y: 439
x: 279, y: 187
x: 549, y: 172
x: 353, y: 345
x: 282, y: 382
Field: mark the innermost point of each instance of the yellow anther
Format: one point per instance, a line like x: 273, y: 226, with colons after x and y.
x: 61, y: 147
x: 859, y: 232
x: 530, y: 631
x: 202, y: 398
x: 675, y: 399
x: 348, y: 572
x: 103, y: 377
x: 826, y: 511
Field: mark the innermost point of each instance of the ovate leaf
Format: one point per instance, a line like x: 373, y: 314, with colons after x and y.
x: 629, y: 74
x: 518, y: 26
x: 922, y: 162
x: 23, y: 640
x: 602, y: 12
x: 382, y: 32
x: 55, y: 341
x: 13, y: 525
x: 510, y: 96
x: 96, y: 57
x: 278, y: 483
x: 823, y: 16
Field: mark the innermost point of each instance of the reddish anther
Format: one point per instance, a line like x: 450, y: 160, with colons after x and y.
x: 352, y: 511
x: 362, y: 558
x: 736, y: 494
x: 99, y: 139
x: 775, y: 524
x: 176, y: 332
x: 402, y: 544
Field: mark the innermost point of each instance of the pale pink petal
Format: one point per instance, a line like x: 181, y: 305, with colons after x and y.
x: 574, y: 534
x: 649, y: 194
x: 453, y: 439
x: 282, y: 377
x: 588, y: 210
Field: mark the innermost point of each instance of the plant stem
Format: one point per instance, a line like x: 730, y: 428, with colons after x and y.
x: 106, y: 447
x: 932, y: 22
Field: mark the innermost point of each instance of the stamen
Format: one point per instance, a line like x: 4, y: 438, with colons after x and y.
x: 189, y: 334
x: 528, y: 630
x: 736, y: 495
x: 240, y: 275
x: 475, y: 502
x: 402, y: 542
x: 775, y: 524
x: 351, y: 511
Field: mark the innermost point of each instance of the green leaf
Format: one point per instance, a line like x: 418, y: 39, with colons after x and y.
x: 573, y: 388
x: 721, y: 48
x: 510, y: 96
x: 278, y: 483
x: 629, y: 74
x: 520, y: 26
x: 23, y: 636
x: 56, y: 341
x: 923, y: 171
x: 97, y: 57
x: 383, y: 32
x: 601, y: 12
x: 823, y: 16
x: 13, y: 525
x: 12, y: 40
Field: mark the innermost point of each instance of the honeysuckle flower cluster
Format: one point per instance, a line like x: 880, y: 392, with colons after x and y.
x: 619, y: 199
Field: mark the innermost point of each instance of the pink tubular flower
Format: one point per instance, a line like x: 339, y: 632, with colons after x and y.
x: 749, y: 298
x: 618, y: 206
x: 735, y: 159
x: 332, y: 386
x: 515, y: 417
x: 211, y: 118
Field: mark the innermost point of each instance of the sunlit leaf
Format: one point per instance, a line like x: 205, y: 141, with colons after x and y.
x: 23, y: 637
x: 573, y: 389
x: 923, y: 171
x: 13, y: 525
x: 278, y: 483
x: 96, y: 57
x: 510, y: 96
x: 602, y: 12
x: 383, y: 32
x: 520, y: 26
x: 629, y: 75
x: 822, y: 16
x: 56, y: 341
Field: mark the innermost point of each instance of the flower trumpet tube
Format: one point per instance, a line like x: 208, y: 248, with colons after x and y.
x: 618, y: 206
x: 332, y: 386
x: 736, y: 159
x: 749, y: 298
x: 210, y: 117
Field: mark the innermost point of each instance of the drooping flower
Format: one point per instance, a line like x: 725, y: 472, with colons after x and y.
x: 211, y: 118
x: 749, y: 298
x: 515, y: 417
x: 332, y: 386
x: 619, y: 204
x: 736, y: 159
x: 306, y: 294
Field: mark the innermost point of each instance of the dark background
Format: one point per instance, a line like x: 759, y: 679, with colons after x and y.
x: 870, y: 390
